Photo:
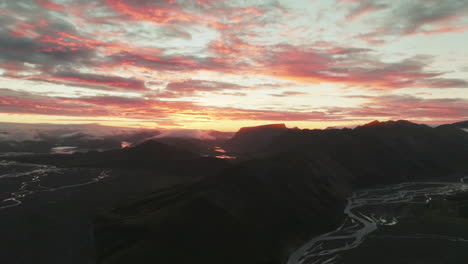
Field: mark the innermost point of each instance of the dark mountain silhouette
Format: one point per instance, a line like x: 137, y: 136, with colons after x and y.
x: 461, y: 125
x: 195, y: 145
x: 292, y: 184
x: 391, y: 124
x: 152, y: 150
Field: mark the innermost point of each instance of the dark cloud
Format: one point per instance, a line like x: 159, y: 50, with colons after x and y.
x: 44, y: 56
x: 446, y: 83
x: 195, y: 86
x: 174, y: 32
x: 412, y: 17
x: 98, y: 81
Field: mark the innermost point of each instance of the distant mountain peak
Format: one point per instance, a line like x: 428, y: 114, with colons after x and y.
x: 149, y: 144
x: 391, y: 123
x: 373, y: 123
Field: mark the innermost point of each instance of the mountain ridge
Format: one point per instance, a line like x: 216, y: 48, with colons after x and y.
x: 261, y: 208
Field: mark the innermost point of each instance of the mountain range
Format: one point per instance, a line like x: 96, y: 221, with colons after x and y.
x: 285, y: 186
x: 253, y: 197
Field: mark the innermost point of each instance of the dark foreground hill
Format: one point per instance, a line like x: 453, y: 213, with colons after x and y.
x: 292, y: 187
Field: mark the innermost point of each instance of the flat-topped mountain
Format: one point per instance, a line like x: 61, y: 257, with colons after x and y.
x: 252, y: 139
x: 263, y: 128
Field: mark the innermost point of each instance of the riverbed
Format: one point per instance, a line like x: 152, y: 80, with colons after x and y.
x: 374, y: 209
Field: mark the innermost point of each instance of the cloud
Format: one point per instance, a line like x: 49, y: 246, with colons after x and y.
x: 196, y: 87
x: 43, y: 56
x: 26, y: 103
x: 391, y: 106
x: 409, y: 107
x: 446, y: 83
x: 137, y: 108
x: 166, y: 51
x: 234, y: 94
x: 288, y: 93
x: 364, y: 7
x: 406, y: 18
x: 174, y: 32
x: 191, y: 87
x: 412, y: 16
x: 220, y: 15
x: 354, y: 68
x: 95, y: 81
x: 50, y: 5
x: 55, y: 46
x: 161, y: 11
x: 160, y: 63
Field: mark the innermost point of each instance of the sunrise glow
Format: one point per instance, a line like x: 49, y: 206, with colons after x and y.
x: 222, y: 65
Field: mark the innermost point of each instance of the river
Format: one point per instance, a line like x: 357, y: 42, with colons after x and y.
x: 362, y: 218
x: 28, y: 179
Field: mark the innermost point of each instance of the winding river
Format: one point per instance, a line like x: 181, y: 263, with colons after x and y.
x: 361, y: 220
x: 29, y: 180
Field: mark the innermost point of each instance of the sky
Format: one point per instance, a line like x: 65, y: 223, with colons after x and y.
x: 225, y: 64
